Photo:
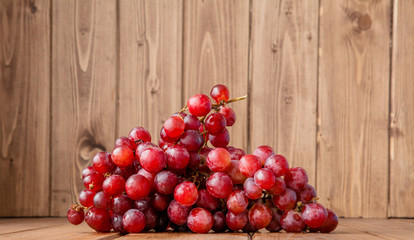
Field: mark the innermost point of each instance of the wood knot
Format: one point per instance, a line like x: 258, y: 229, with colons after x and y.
x: 288, y: 100
x: 360, y: 22
x: 309, y: 36
x: 274, y: 47
x: 140, y: 42
x: 33, y: 8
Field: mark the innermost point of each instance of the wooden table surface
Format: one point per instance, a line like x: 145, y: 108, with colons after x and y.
x: 59, y: 228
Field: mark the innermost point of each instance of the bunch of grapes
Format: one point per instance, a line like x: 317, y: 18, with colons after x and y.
x: 184, y: 185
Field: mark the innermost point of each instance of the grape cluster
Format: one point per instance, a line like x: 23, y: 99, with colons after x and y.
x: 185, y: 185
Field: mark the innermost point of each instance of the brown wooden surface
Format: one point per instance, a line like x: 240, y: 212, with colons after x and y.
x: 83, y: 92
x: 284, y: 79
x: 216, y: 38
x: 24, y: 107
x: 354, y: 69
x: 402, y: 114
x: 59, y: 228
x: 150, y: 64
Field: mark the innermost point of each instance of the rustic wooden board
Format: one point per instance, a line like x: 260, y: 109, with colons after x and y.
x: 83, y: 92
x: 402, y: 112
x: 188, y: 236
x: 284, y: 79
x: 216, y: 37
x: 24, y: 107
x: 150, y: 64
x: 11, y: 225
x: 352, y: 164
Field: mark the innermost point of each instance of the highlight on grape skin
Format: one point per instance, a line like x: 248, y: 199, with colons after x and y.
x: 194, y: 181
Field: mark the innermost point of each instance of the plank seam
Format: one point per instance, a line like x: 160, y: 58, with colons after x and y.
x: 249, y: 77
x: 183, y: 102
x: 50, y: 104
x: 317, y: 99
x: 26, y: 230
x: 390, y: 106
x: 118, y: 67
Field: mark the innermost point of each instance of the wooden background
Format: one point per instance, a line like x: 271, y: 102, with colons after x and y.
x: 330, y: 86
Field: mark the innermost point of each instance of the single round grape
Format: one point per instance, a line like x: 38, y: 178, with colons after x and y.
x: 177, y: 213
x: 260, y: 216
x: 278, y: 164
x: 220, y: 93
x: 330, y: 223
x: 195, y: 160
x: 121, y: 204
x: 265, y: 179
x: 229, y: 114
x: 192, y: 140
x: 234, y: 173
x: 206, y: 200
x: 235, y: 153
x: 137, y: 187
x: 142, y: 147
x: 162, y: 222
x: 219, y: 222
x: 124, y: 141
x: 116, y: 222
x: 151, y: 219
x: 236, y: 221
x: 215, y: 123
x: 199, y: 105
x: 102, y: 162
x: 94, y: 181
x: 139, y: 134
x: 279, y: 188
x: 174, y: 126
x: 149, y: 176
x: 98, y: 219
x: 177, y: 157
x: 114, y: 185
x: 186, y: 193
x: 123, y: 156
x: 274, y: 225
x: 286, y: 201
x: 251, y: 190
x: 307, y: 194
x: 249, y: 164
x: 102, y: 200
x: 75, y: 215
x: 165, y: 182
x: 296, y: 178
x: 153, y: 160
x: 191, y: 122
x: 219, y: 185
x: 142, y: 204
x: 133, y: 221
x: 263, y: 152
x: 86, y: 198
x: 237, y: 201
x: 200, y: 220
x: 218, y: 160
x: 166, y: 138
x: 249, y: 228
x: 160, y: 202
x: 124, y: 172
x: 314, y: 214
x: 220, y: 140
x: 86, y: 171
x: 292, y: 221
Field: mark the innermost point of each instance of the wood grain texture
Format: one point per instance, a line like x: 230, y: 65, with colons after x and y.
x: 188, y: 236
x: 83, y: 92
x: 12, y: 225
x: 150, y: 63
x: 388, y: 229
x: 352, y: 164
x: 284, y: 79
x: 402, y: 112
x: 216, y: 37
x: 24, y: 107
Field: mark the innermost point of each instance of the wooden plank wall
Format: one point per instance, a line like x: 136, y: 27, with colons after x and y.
x: 329, y: 86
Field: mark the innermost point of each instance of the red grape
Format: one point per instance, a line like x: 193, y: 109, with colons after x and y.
x: 142, y: 204
x: 236, y: 153
x: 102, y: 162
x: 236, y: 221
x: 263, y: 152
x: 307, y: 194
x: 218, y: 160
x: 86, y: 198
x: 292, y: 221
x: 124, y: 172
x: 123, y: 156
x: 192, y: 122
x: 228, y: 114
x: 166, y: 138
x: 249, y: 228
x: 265, y: 179
x: 195, y: 160
x: 133, y: 221
x: 274, y: 225
x: 159, y: 202
x: 121, y: 204
x: 219, y: 222
x: 251, y: 190
x: 330, y: 223
x: 94, y: 181
x: 199, y: 105
x: 124, y: 141
x: 286, y: 201
x: 200, y: 220
x: 249, y: 165
x: 296, y: 178
x: 314, y: 214
x: 75, y: 215
x: 102, y: 200
x: 137, y: 187
x: 186, y: 193
x: 86, y: 171
x: 215, y: 123
x: 220, y: 140
x: 219, y: 185
x: 116, y: 222
x: 149, y: 176
x: 151, y: 219
x: 278, y: 164
x: 279, y: 188
x: 142, y: 147
x: 206, y: 200
x: 234, y: 173
x: 177, y: 213
x: 177, y: 157
x: 114, y: 185
x: 260, y: 216
x: 153, y: 160
x: 165, y: 182
x: 162, y: 222
x: 98, y: 219
x: 138, y: 134
x: 174, y: 126
x: 192, y: 140
x: 237, y: 201
x: 220, y: 93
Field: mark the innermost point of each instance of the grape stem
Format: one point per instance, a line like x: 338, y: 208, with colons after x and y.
x: 232, y: 100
